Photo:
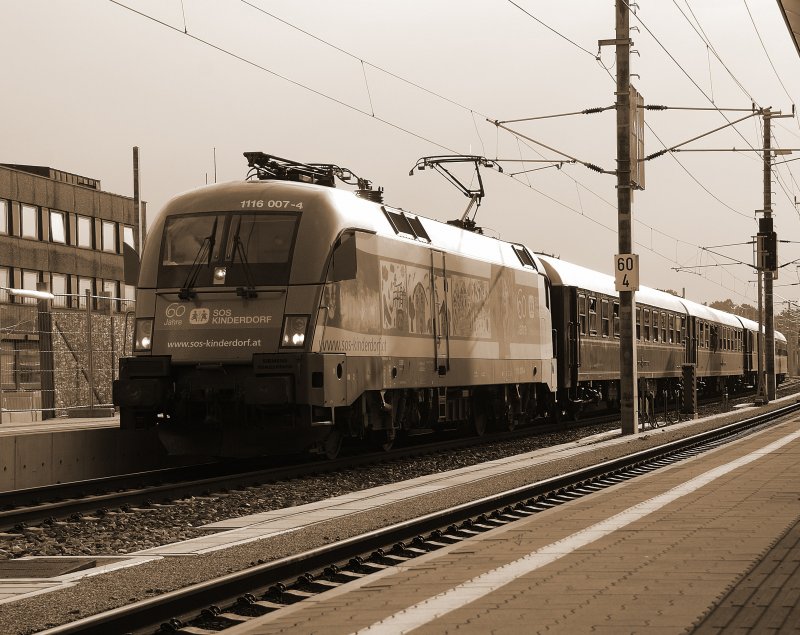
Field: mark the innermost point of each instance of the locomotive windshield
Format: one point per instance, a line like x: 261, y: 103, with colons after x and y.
x: 249, y: 244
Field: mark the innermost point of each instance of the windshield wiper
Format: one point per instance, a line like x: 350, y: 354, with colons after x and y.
x: 205, y: 252
x: 238, y: 248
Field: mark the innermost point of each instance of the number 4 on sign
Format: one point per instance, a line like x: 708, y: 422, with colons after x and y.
x: 626, y: 272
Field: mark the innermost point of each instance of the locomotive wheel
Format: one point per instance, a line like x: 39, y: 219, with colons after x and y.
x: 506, y: 419
x: 332, y: 444
x: 478, y: 420
x: 382, y: 439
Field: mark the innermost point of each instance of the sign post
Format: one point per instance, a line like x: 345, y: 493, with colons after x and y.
x: 626, y: 272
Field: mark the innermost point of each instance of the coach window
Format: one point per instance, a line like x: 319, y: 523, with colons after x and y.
x: 664, y: 327
x: 638, y: 323
x: 605, y: 318
x: 671, y: 329
x: 616, y: 319
x: 582, y: 313
x: 3, y: 217
x: 30, y: 221
x: 592, y: 316
x: 109, y: 236
x: 58, y: 228
x: 646, y: 331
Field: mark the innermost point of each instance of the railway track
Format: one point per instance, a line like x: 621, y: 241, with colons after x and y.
x: 272, y: 586
x: 19, y: 508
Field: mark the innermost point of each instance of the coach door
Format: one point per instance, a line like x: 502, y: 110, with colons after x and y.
x: 691, y: 340
x: 440, y: 312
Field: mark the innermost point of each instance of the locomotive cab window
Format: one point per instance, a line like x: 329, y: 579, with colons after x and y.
x: 246, y: 246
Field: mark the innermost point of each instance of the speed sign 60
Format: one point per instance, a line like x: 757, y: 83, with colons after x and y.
x: 626, y: 272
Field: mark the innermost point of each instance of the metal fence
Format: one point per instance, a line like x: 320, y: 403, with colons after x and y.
x: 59, y: 354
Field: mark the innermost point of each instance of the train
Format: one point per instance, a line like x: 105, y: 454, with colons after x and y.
x: 281, y: 314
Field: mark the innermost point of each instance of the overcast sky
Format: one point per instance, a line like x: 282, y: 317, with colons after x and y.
x: 373, y: 86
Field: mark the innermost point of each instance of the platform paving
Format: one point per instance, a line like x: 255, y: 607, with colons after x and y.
x: 652, y: 555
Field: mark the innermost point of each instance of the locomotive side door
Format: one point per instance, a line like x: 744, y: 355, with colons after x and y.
x: 439, y: 309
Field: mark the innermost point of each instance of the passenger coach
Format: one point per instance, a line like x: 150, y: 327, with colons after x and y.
x: 670, y: 331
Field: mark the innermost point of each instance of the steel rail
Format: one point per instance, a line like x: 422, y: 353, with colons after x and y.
x: 23, y: 506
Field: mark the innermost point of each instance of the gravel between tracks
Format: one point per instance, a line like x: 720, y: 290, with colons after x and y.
x: 119, y: 533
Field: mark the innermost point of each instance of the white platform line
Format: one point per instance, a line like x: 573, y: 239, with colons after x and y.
x: 426, y: 611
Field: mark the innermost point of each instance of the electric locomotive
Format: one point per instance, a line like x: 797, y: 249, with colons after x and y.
x: 282, y: 314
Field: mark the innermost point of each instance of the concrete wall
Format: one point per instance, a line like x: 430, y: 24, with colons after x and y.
x: 43, y: 458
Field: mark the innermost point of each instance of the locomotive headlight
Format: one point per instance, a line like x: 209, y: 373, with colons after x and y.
x: 219, y: 275
x: 294, y: 330
x: 143, y: 334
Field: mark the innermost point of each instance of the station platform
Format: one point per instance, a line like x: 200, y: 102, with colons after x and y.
x: 707, y: 545
x: 65, y: 449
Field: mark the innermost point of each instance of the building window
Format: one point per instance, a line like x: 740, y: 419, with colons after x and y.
x: 58, y: 227
x: 128, y: 294
x: 58, y: 287
x: 29, y: 282
x: 30, y: 221
x: 5, y: 283
x: 127, y: 236
x: 3, y: 217
x: 84, y: 285
x: 111, y: 288
x: 19, y: 365
x: 109, y: 236
x: 85, y: 232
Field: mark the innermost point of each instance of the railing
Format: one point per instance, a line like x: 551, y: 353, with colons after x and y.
x: 59, y: 354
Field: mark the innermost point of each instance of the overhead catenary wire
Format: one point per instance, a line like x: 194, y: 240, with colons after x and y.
x: 347, y: 105
x: 263, y: 68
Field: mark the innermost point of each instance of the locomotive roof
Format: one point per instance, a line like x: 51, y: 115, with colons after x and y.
x: 342, y: 210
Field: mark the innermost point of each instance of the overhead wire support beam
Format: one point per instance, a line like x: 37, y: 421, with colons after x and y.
x: 705, y: 134
x: 699, y: 108
x: 587, y: 111
x: 591, y: 166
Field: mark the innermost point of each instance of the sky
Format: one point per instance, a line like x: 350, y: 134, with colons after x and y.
x: 374, y: 86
